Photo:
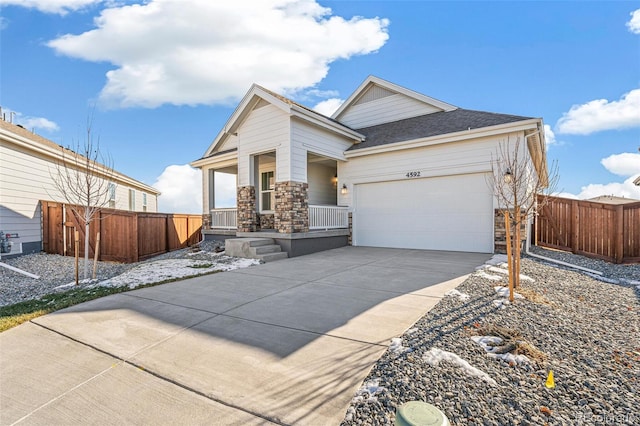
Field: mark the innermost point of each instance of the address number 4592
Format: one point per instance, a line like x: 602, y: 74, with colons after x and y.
x: 413, y: 174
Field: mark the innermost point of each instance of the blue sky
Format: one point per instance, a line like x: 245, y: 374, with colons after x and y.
x: 164, y: 76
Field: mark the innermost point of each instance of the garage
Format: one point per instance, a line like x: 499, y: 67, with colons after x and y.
x: 439, y: 213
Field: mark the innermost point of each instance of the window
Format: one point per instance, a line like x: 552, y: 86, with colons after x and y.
x: 112, y: 195
x: 132, y: 199
x: 144, y: 201
x: 267, y: 194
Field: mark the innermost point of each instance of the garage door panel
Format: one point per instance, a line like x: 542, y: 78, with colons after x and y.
x: 442, y: 213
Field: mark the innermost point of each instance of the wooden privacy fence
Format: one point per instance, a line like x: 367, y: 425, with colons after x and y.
x: 124, y: 236
x: 603, y: 231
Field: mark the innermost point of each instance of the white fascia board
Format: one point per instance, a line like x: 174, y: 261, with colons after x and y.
x: 446, y: 138
x: 233, y: 155
x: 56, y: 155
x: 324, y: 122
x: 242, y: 110
x: 394, y: 88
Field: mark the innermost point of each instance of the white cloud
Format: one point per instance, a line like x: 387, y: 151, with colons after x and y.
x: 181, y: 187
x: 625, y: 164
x: 625, y: 189
x: 600, y: 114
x: 328, y: 106
x: 634, y: 22
x: 549, y: 136
x: 206, y: 52
x: 29, y: 122
x: 60, y: 7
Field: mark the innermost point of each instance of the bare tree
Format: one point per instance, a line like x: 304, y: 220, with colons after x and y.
x: 518, y: 180
x: 83, y: 178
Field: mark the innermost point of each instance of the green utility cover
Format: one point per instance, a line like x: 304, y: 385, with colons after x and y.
x: 418, y: 413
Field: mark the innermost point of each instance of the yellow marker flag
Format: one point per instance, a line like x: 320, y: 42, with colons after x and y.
x: 550, y: 383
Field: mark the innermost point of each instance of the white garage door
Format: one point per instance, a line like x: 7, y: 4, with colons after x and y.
x: 442, y: 213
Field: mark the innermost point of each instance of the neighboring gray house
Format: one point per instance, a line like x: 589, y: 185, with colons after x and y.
x: 390, y: 168
x: 27, y: 163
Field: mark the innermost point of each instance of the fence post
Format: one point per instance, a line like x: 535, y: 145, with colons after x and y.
x: 134, y: 238
x: 619, y: 234
x: 575, y: 227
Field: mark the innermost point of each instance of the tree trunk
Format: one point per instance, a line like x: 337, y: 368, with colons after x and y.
x: 86, y: 250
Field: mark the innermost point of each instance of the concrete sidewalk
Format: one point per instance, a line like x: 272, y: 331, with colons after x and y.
x: 287, y: 342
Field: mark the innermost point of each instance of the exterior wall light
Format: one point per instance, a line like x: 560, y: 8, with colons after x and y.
x: 334, y: 181
x: 508, y: 176
x: 344, y: 189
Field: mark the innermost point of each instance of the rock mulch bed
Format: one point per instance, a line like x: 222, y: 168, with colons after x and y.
x: 56, y: 271
x: 585, y: 330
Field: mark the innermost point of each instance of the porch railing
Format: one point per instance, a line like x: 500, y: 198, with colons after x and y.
x: 224, y: 218
x: 328, y: 217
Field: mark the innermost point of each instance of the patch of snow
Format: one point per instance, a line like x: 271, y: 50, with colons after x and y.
x: 483, y: 274
x: 462, y: 296
x: 73, y: 283
x: 501, y: 303
x: 435, y: 356
x: 497, y: 259
x: 603, y: 279
x: 162, y: 270
x: 490, y: 345
x: 510, y: 358
x: 504, y: 292
x: 367, y: 391
x: 505, y: 271
x: 396, y: 346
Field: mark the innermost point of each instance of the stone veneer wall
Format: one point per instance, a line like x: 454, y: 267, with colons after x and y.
x: 292, y: 207
x: 247, y: 216
x: 267, y: 220
x: 350, y: 236
x: 500, y: 232
x: 206, y: 221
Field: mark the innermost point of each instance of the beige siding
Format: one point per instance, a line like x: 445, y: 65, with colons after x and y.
x: 321, y: 189
x: 265, y: 129
x: 230, y: 143
x: 384, y: 110
x: 471, y: 156
x: 25, y: 179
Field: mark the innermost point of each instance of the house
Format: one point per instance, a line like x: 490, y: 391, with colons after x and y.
x: 390, y: 168
x: 612, y: 199
x: 28, y: 164
x: 637, y: 181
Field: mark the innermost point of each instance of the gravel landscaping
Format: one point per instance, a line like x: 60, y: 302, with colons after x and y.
x: 56, y: 271
x: 585, y: 330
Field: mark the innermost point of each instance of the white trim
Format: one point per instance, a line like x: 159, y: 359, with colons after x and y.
x: 36, y: 146
x: 445, y: 138
x: 230, y: 156
x: 394, y: 88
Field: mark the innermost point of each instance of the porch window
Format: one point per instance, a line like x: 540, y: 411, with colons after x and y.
x: 132, y: 199
x: 267, y: 194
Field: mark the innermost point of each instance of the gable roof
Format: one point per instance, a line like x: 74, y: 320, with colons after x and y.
x: 18, y: 135
x: 434, y: 124
x: 257, y: 93
x: 372, y: 81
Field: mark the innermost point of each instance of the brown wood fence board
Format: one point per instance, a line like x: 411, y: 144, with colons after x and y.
x: 603, y: 231
x: 124, y: 236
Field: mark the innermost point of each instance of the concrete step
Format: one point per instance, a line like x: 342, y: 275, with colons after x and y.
x: 264, y: 249
x: 273, y: 248
x: 271, y: 257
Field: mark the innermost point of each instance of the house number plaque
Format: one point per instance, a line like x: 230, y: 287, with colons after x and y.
x: 413, y: 174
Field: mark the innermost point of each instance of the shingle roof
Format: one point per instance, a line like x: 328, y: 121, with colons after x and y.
x: 424, y: 126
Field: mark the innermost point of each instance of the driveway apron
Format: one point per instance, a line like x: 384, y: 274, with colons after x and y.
x: 287, y: 342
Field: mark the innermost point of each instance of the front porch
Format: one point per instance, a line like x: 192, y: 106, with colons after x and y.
x: 328, y: 229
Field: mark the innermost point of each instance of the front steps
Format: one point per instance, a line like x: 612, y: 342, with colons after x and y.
x: 264, y: 249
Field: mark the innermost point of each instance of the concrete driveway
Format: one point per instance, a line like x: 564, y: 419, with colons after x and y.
x: 287, y: 342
